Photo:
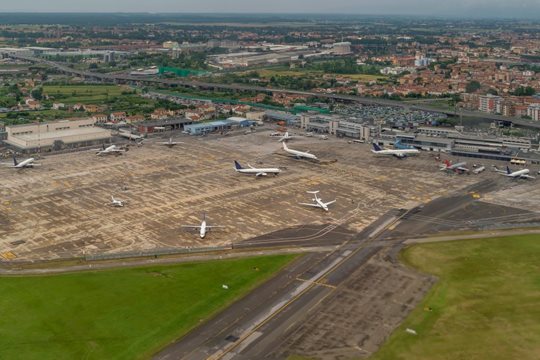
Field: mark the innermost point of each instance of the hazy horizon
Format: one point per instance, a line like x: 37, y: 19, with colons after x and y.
x: 437, y: 8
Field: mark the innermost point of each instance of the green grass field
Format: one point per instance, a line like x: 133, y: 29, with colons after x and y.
x: 84, y: 94
x: 486, y: 304
x: 119, y: 314
x: 268, y: 73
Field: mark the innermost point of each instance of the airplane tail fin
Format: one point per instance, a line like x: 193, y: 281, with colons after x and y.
x: 508, y: 172
x: 376, y: 147
x: 237, y: 166
x: 15, y: 162
x: 447, y: 163
x: 313, y: 192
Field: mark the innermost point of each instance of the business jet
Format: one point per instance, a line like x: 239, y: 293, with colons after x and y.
x: 286, y: 137
x: 257, y: 171
x: 203, y: 228
x: 458, y: 167
x: 317, y: 202
x: 520, y: 174
x: 116, y: 202
x: 170, y: 143
x: 399, y: 153
x: 299, y: 154
x: 110, y: 150
x: 28, y: 163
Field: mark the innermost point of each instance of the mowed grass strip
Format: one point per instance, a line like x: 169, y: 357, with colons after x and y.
x: 119, y: 314
x: 85, y: 94
x: 486, y: 304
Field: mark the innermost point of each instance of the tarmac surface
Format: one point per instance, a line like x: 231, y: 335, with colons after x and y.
x: 347, y: 303
x: 60, y: 209
x: 340, y: 300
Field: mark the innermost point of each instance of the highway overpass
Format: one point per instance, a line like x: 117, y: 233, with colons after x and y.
x: 153, y: 81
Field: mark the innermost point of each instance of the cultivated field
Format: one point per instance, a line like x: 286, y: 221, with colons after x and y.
x: 84, y: 94
x: 484, y: 306
x: 119, y: 314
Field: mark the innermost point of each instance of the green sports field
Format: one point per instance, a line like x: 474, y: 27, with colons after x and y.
x: 119, y: 314
x: 486, y: 304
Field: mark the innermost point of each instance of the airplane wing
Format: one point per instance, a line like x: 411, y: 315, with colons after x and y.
x: 461, y: 169
x: 528, y: 177
x: 261, y: 174
x: 192, y: 226
x: 312, y: 204
x: 330, y: 203
x: 214, y: 226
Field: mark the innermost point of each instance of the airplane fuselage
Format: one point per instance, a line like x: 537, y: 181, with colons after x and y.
x: 321, y: 204
x: 202, y: 232
x: 403, y: 152
x: 518, y: 173
x: 26, y: 163
x: 261, y: 172
x: 301, y: 154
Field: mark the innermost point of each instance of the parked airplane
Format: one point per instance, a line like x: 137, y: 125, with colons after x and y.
x: 28, y: 163
x: 299, y: 154
x: 317, y: 202
x: 116, y: 202
x: 257, y: 171
x: 520, y: 174
x: 286, y: 137
x: 478, y: 170
x: 400, y: 154
x: 130, y: 136
x: 203, y: 228
x: 170, y: 143
x: 112, y: 149
x: 458, y: 167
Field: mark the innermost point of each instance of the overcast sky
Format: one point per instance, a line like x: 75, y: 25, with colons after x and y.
x: 475, y: 8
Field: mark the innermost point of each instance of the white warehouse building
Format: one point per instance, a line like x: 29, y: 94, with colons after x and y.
x: 55, y: 135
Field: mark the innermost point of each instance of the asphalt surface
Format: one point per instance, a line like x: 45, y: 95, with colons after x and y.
x: 258, y: 326
x: 263, y: 314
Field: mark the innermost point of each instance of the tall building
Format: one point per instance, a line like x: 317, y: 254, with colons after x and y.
x: 533, y: 111
x: 490, y: 103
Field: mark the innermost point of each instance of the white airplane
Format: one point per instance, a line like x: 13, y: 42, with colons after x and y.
x: 112, y: 149
x: 520, y: 174
x: 203, y: 228
x: 299, y: 154
x: 478, y: 170
x: 399, y: 153
x: 169, y: 143
x: 130, y: 136
x: 116, y: 202
x: 317, y: 202
x: 286, y: 137
x: 28, y: 163
x: 257, y: 171
x: 458, y: 167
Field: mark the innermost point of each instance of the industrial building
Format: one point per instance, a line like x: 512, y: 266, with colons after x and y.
x: 288, y: 118
x: 353, y: 130
x: 170, y: 124
x: 209, y: 127
x: 55, y: 135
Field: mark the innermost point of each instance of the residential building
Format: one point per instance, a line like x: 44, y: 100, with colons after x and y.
x: 533, y: 111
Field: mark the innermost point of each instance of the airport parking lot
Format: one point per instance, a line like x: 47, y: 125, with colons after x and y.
x: 60, y: 208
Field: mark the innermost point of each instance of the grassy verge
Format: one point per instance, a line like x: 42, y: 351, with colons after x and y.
x: 485, y: 305
x: 119, y: 314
